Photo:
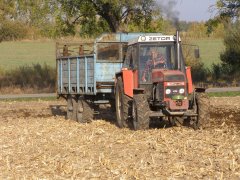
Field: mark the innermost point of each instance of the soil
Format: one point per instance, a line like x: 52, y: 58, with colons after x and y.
x: 37, y: 142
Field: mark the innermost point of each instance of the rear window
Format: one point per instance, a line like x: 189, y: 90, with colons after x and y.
x: 109, y: 52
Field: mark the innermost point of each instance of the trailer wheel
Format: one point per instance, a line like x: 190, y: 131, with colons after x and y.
x: 71, y: 108
x: 140, y: 112
x: 123, y: 105
x: 202, y: 109
x: 84, y: 111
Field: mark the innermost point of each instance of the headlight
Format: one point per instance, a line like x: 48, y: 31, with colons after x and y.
x: 168, y: 91
x: 181, y: 91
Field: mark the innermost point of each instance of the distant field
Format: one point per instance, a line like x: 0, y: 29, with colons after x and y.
x: 210, y: 50
x: 14, y: 54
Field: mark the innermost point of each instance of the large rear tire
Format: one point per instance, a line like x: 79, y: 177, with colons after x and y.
x: 140, y: 112
x: 123, y: 105
x: 85, y: 111
x: 202, y: 108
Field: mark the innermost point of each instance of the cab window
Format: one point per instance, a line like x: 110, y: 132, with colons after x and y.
x: 155, y: 56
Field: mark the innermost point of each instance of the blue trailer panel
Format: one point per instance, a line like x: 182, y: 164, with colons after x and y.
x: 76, y: 75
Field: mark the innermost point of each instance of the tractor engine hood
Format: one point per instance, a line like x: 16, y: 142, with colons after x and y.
x: 164, y: 75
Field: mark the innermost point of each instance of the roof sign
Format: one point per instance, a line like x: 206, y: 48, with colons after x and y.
x: 156, y: 38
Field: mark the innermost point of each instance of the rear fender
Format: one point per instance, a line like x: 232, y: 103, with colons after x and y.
x: 189, y: 80
x: 130, y: 81
x: 200, y: 90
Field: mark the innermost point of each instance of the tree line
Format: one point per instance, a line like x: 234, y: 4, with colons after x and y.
x: 57, y: 18
x: 229, y: 16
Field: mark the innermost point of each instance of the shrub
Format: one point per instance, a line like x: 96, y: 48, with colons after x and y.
x: 228, y: 70
x: 37, y: 77
x: 11, y: 30
x: 199, y: 72
x: 231, y: 56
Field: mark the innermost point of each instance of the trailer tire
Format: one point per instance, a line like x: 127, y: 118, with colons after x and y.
x: 202, y: 109
x: 71, y: 108
x: 123, y: 105
x: 140, y: 112
x: 85, y: 111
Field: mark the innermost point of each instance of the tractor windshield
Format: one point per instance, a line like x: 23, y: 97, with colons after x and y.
x: 160, y: 56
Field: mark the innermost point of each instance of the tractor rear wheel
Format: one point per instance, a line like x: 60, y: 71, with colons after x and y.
x: 123, y: 105
x: 71, y: 107
x: 201, y: 107
x: 140, y: 112
x: 85, y: 111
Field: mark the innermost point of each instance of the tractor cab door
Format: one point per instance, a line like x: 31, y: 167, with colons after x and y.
x: 130, y: 66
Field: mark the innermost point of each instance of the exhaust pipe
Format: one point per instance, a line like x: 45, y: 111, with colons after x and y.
x: 178, y: 50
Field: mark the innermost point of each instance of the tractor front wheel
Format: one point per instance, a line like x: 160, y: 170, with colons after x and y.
x: 201, y: 107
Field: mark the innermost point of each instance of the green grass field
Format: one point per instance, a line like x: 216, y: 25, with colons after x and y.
x: 14, y: 54
x: 210, y: 50
x: 224, y: 94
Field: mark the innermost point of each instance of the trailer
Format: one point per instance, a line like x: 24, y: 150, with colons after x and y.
x: 86, y: 72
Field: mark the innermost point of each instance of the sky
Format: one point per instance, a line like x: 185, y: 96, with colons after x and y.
x: 193, y: 10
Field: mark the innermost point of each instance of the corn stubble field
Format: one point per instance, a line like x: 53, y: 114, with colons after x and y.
x: 36, y: 142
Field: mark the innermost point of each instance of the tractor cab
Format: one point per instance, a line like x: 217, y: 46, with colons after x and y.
x: 153, y: 52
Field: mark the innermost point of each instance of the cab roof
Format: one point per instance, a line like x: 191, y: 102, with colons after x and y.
x: 153, y: 38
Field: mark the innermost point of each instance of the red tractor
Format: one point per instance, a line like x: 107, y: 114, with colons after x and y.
x: 154, y: 83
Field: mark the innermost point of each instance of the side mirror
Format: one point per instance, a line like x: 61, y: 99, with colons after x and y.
x: 197, y: 53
